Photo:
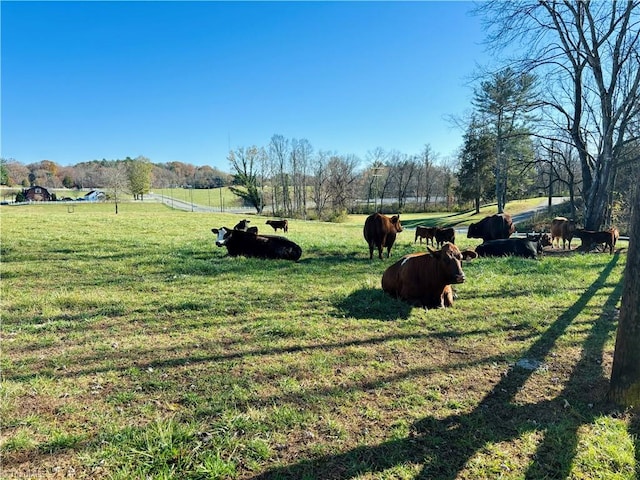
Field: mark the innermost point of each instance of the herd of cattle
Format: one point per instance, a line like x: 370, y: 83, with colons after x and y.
x: 425, y: 278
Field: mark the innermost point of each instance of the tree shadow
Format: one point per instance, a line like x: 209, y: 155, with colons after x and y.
x: 443, y: 446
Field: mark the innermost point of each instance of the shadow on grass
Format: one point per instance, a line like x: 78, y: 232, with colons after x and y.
x: 448, y: 220
x: 634, y: 429
x: 373, y: 303
x: 444, y: 446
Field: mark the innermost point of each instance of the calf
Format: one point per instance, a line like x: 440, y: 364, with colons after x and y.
x: 562, y: 228
x: 541, y: 239
x: 380, y: 231
x: 469, y: 254
x: 589, y: 238
x: 242, y: 225
x: 424, y: 279
x: 616, y: 235
x: 504, y: 247
x: 239, y: 242
x: 425, y: 232
x: 276, y: 224
x: 443, y: 235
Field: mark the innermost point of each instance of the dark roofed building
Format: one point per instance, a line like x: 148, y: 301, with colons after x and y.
x: 37, y: 194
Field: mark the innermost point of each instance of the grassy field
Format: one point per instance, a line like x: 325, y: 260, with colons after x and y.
x: 132, y: 347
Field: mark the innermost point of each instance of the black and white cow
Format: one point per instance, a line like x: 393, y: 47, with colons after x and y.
x: 239, y: 242
x: 244, y: 225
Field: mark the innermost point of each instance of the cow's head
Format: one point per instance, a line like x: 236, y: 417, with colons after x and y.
x: 395, y: 220
x: 242, y: 224
x: 545, y: 240
x: 224, y: 234
x: 473, y: 231
x: 448, y: 257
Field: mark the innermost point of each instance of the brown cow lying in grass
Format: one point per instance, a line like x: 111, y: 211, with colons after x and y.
x: 424, y: 279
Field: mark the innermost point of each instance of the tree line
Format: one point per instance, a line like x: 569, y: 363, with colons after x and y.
x: 559, y: 116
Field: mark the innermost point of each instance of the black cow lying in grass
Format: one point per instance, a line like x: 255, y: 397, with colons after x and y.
x: 239, y: 242
x: 504, y: 247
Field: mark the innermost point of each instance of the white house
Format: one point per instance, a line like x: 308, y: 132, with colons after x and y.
x: 95, y: 196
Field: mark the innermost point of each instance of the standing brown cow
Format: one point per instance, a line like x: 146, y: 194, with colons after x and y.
x: 443, y: 235
x: 424, y: 279
x: 562, y: 228
x: 590, y: 238
x: 425, y: 232
x: 276, y: 224
x: 616, y: 235
x: 380, y: 232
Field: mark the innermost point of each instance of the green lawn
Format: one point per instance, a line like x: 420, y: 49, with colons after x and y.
x: 133, y: 347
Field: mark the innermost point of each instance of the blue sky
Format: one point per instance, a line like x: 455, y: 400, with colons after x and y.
x: 184, y: 81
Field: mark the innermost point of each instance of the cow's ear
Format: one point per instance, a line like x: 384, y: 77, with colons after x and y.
x: 214, y: 230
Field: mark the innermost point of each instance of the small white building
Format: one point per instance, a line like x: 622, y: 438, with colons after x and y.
x: 95, y: 196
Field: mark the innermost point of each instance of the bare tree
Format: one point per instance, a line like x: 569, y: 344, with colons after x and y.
x: 321, y: 192
x: 403, y: 169
x: 557, y: 160
x: 587, y: 54
x: 279, y: 151
x: 425, y: 176
x: 342, y: 177
x: 300, y: 154
x: 117, y: 180
x: 377, y: 159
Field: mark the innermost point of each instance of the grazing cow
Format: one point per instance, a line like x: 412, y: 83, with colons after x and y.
x: 590, y: 238
x: 469, y: 254
x: 425, y: 232
x: 444, y: 235
x: 276, y: 224
x: 503, y: 247
x: 380, y: 232
x: 493, y: 227
x: 239, y: 242
x: 424, y: 279
x: 542, y: 240
x: 562, y: 228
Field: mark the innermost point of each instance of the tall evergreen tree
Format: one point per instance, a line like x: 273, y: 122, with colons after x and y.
x: 505, y: 101
x: 477, y: 162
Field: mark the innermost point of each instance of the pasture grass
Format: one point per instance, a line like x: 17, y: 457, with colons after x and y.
x: 133, y: 347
